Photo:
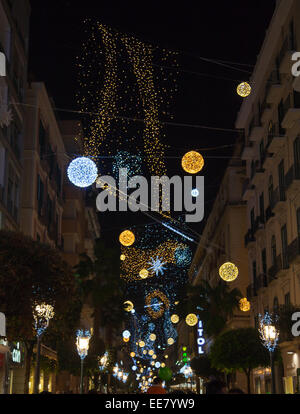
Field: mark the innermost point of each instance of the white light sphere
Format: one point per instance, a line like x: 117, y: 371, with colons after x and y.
x: 82, y: 172
x: 195, y: 192
x: 126, y: 334
x: 134, y: 368
x: 157, y: 364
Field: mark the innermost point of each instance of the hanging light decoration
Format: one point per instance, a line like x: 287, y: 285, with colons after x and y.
x: 144, y: 273
x: 151, y: 352
x: 141, y: 344
x: 228, y: 272
x: 174, y: 318
x: 191, y: 319
x: 192, y: 162
x: 132, y: 354
x: 152, y: 337
x: 154, y: 356
x: 244, y: 305
x: 127, y: 238
x: 122, y: 257
x: 243, y: 89
x: 126, y: 334
x: 170, y: 341
x: 128, y: 306
x: 82, y: 172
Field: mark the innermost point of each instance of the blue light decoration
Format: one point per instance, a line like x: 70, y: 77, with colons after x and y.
x: 195, y: 192
x: 82, y: 172
x: 268, y: 332
x: 200, y: 339
x: 183, y: 256
x: 157, y: 266
x: 177, y: 232
x: 132, y: 163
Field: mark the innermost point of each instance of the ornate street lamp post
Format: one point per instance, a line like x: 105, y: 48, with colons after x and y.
x: 82, y: 343
x: 269, y: 335
x: 42, y: 314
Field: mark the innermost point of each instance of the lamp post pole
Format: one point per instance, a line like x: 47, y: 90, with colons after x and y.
x: 37, y: 366
x: 272, y: 373
x: 81, y: 377
x: 82, y: 343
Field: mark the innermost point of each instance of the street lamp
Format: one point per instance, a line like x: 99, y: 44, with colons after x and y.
x: 42, y: 313
x: 269, y: 335
x: 82, y: 343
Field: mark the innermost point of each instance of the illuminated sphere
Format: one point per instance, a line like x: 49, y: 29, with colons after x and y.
x: 243, y: 89
x: 170, y: 341
x: 127, y: 238
x: 192, y: 162
x: 152, y: 363
x: 175, y: 318
x: 244, y: 305
x: 82, y: 172
x: 134, y: 368
x: 195, y: 192
x: 122, y: 257
x: 166, y: 356
x: 162, y: 364
x: 151, y: 352
x: 126, y: 339
x: 144, y: 273
x: 157, y: 364
x: 191, y: 319
x: 144, y: 352
x: 141, y: 344
x: 126, y: 334
x: 128, y: 305
x: 152, y: 337
x: 154, y: 356
x: 183, y: 256
x: 228, y: 272
x: 132, y: 354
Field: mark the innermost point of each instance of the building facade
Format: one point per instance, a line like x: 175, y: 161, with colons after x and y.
x: 270, y: 119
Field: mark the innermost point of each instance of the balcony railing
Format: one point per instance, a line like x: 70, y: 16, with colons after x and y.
x: 279, y: 195
x: 273, y: 270
x: 269, y: 213
x: 293, y: 250
x: 249, y: 237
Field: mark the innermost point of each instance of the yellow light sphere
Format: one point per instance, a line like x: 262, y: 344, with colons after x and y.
x: 191, y: 319
x: 125, y: 339
x: 152, y: 337
x: 228, y: 272
x: 166, y: 356
x: 175, y: 318
x: 244, y: 305
x: 243, y: 89
x: 144, y: 273
x: 122, y: 257
x: 132, y: 354
x: 170, y: 341
x: 162, y: 364
x: 192, y: 162
x: 128, y: 305
x: 144, y: 352
x: 152, y: 363
x: 141, y: 344
x: 127, y: 238
x: 151, y: 352
x: 154, y: 356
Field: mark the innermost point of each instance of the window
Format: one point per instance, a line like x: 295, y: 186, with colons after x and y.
x: 281, y: 181
x: 40, y: 194
x: 262, y: 208
x: 252, y: 219
x: 297, y: 157
x: 270, y: 191
x: 287, y: 300
x: 261, y: 151
x: 264, y: 261
x: 254, y: 275
x: 284, y: 247
x: 273, y: 251
x: 275, y: 304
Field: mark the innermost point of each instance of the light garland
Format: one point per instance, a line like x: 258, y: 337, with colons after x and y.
x: 156, y: 294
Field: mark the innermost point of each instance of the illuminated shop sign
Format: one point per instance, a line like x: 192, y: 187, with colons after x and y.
x: 200, y: 339
x: 16, y: 354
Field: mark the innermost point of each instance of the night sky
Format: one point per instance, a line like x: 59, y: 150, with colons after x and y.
x: 226, y: 31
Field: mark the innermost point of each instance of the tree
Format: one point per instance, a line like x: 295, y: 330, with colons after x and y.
x: 214, y: 305
x: 239, y: 349
x: 30, y: 273
x: 100, y: 285
x: 202, y: 367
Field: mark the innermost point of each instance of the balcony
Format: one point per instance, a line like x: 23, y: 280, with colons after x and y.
x: 248, y: 190
x: 265, y: 111
x: 249, y: 237
x: 285, y: 56
x: 294, y: 251
x: 247, y: 153
x: 261, y: 281
x: 291, y: 108
x: 259, y: 225
x: 257, y: 173
x: 267, y: 160
x: 292, y: 180
x: 256, y: 133
x: 274, y: 270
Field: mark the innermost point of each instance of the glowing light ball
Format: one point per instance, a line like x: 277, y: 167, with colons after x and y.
x: 144, y: 273
x: 165, y: 374
x: 152, y: 363
x: 127, y: 238
x: 144, y: 352
x: 154, y: 356
x: 152, y: 337
x: 170, y: 341
x: 192, y: 162
x: 126, y: 339
x: 195, y: 192
x: 157, y: 364
x: 243, y: 89
x: 174, y: 318
x: 82, y: 172
x: 132, y: 354
x: 122, y: 257
x: 244, y: 305
x: 183, y: 256
x: 228, y: 272
x: 166, y: 356
x: 151, y: 352
x: 162, y: 364
x: 128, y: 306
x: 141, y: 344
x: 191, y: 319
x: 134, y: 368
x: 126, y: 334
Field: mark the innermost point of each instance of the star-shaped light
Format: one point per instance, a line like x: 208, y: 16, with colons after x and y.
x: 157, y: 266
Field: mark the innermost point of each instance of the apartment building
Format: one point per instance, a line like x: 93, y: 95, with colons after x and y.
x: 270, y: 119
